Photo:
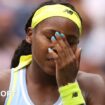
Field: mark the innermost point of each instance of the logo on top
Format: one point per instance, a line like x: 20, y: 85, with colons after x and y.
x: 68, y: 11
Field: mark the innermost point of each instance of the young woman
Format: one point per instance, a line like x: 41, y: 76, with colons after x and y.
x: 46, y: 64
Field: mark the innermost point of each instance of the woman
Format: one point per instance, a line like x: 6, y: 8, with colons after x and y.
x: 47, y: 72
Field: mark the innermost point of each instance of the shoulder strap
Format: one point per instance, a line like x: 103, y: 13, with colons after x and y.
x: 24, y: 61
x: 12, y: 88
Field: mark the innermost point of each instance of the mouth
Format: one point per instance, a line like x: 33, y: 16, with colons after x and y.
x: 50, y: 59
x: 51, y: 64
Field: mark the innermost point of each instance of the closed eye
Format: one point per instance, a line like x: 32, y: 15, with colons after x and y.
x: 49, y: 34
x: 72, y: 40
x: 48, y: 37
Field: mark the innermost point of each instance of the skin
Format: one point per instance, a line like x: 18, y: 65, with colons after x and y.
x: 44, y: 76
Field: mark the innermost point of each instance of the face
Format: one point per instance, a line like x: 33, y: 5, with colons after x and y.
x: 40, y: 38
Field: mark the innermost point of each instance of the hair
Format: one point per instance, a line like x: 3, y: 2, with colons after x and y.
x: 25, y: 48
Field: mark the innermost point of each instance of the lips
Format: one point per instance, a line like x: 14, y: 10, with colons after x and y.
x: 50, y: 59
x: 50, y: 62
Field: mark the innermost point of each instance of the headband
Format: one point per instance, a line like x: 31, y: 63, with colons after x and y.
x: 56, y: 10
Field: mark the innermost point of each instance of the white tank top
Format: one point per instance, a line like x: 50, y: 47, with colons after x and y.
x: 18, y: 90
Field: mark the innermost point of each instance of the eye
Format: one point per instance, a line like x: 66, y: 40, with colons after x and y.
x: 72, y: 40
x: 48, y: 37
x: 49, y: 34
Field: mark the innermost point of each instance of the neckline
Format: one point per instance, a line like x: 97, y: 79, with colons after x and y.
x: 25, y: 90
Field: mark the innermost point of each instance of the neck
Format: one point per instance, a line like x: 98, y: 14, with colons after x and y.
x: 39, y: 77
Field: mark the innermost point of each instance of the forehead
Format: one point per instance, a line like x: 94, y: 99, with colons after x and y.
x: 61, y: 24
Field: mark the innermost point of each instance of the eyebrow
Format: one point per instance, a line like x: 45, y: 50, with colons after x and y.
x: 48, y: 33
x: 73, y: 36
x: 51, y: 30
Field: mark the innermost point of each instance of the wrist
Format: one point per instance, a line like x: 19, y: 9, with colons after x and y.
x: 64, y: 82
x: 71, y: 94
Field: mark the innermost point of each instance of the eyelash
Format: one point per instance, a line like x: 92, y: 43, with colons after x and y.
x: 72, y: 41
x: 49, y: 37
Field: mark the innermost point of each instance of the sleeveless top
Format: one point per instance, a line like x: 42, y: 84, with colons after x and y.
x: 18, y: 93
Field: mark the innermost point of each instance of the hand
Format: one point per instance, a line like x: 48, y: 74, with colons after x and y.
x: 66, y: 61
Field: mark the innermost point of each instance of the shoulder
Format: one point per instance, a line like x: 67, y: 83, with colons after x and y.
x: 93, y: 85
x: 87, y: 78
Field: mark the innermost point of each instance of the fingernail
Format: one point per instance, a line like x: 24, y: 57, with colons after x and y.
x: 53, y: 38
x: 50, y: 50
x: 62, y: 35
x: 80, y: 49
x: 57, y: 34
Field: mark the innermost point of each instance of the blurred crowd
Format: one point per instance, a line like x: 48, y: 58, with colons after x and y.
x: 92, y: 40
x: 14, y: 14
x: 13, y: 17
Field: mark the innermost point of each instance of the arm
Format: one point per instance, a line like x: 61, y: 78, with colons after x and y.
x: 93, y: 86
x: 67, y: 61
x: 96, y: 91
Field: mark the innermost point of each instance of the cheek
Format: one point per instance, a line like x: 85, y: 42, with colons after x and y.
x: 39, y: 48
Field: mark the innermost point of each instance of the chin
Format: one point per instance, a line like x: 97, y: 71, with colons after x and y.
x: 50, y: 71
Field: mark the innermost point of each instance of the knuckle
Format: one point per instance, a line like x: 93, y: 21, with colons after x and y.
x: 60, y: 49
x: 64, y: 47
x: 73, y: 58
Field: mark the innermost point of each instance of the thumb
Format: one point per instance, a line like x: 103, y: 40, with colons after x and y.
x: 78, y: 56
x: 53, y: 54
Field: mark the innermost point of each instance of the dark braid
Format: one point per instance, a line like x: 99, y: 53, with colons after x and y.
x: 25, y: 48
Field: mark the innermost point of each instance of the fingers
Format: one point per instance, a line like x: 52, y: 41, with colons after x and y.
x: 60, y: 40
x: 78, y: 56
x: 63, y: 50
x: 66, y: 49
x: 57, y: 49
x: 52, y: 53
x: 66, y: 60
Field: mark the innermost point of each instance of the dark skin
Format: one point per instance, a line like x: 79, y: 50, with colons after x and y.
x: 50, y: 70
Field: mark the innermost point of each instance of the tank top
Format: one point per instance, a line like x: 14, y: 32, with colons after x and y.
x: 18, y: 93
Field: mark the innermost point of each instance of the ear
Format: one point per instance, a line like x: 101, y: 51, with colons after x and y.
x: 29, y: 35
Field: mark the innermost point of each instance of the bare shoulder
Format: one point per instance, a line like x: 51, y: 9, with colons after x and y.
x: 94, y: 86
x: 90, y: 80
